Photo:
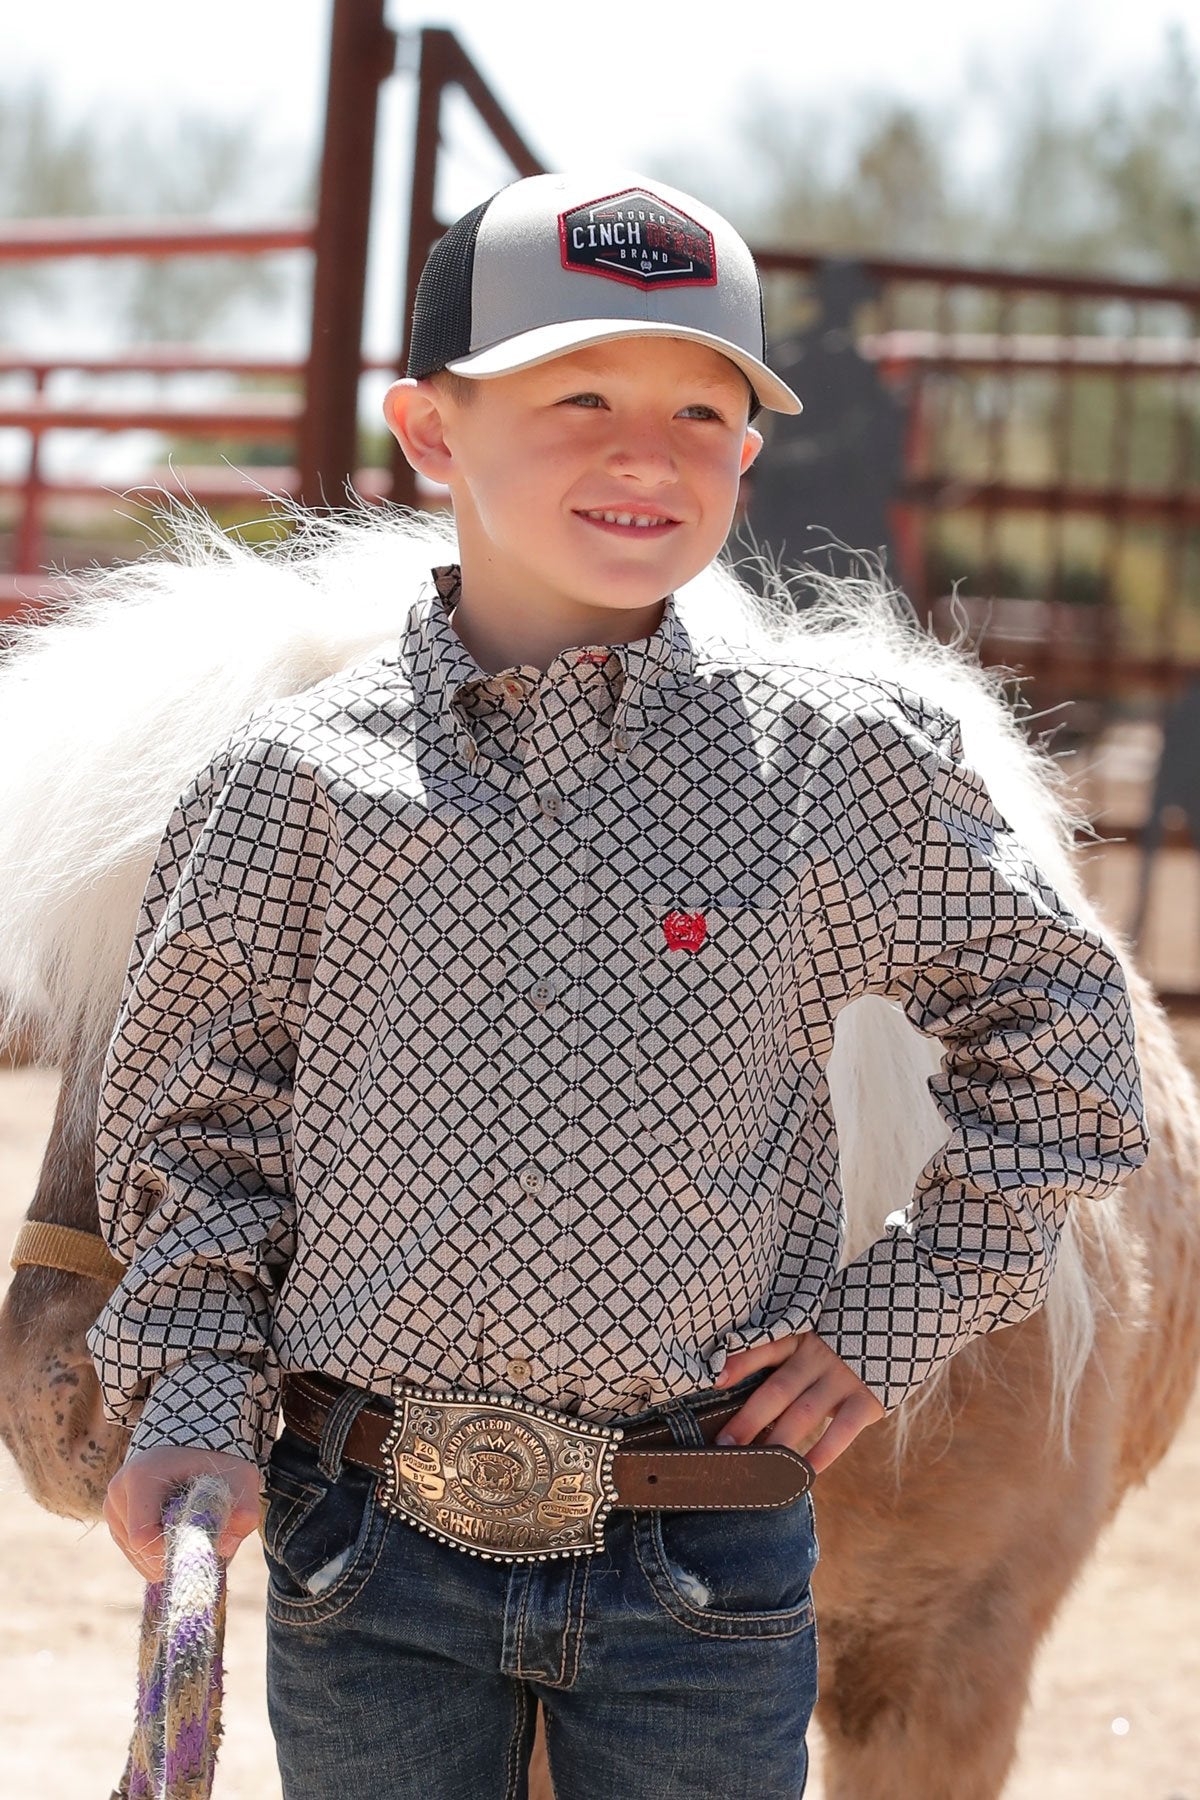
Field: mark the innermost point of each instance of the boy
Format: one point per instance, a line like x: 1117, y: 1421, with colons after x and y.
x: 468, y: 1082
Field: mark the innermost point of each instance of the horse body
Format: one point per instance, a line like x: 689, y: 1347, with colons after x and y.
x: 942, y: 1570
x: 951, y: 1532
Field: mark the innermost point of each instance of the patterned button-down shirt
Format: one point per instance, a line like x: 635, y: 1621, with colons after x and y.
x: 476, y: 1027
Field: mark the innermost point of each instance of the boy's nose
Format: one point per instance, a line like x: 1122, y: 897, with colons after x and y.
x: 646, y: 454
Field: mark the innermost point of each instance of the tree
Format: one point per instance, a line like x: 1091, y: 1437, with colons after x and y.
x: 1107, y: 180
x: 191, y: 165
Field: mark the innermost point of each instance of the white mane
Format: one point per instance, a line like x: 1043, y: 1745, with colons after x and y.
x: 111, y: 702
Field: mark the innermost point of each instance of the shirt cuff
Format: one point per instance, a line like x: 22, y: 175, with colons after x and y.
x: 209, y: 1402
x: 896, y: 1313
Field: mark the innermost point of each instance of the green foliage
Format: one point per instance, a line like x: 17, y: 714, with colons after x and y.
x: 1107, y: 180
x: 185, y: 165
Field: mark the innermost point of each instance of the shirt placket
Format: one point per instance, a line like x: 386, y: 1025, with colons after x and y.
x: 538, y: 1065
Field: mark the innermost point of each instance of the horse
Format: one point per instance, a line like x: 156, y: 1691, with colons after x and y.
x: 950, y: 1532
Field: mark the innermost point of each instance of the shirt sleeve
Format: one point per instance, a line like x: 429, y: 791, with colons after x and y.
x: 193, y: 1149
x: 1039, y: 1085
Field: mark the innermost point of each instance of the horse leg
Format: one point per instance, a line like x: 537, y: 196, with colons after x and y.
x: 926, y: 1706
x: 940, y: 1575
x: 51, y: 1417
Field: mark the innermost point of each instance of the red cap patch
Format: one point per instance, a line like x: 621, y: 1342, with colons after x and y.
x: 636, y: 237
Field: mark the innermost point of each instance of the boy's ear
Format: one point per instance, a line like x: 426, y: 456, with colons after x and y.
x: 414, y: 418
x: 751, y: 447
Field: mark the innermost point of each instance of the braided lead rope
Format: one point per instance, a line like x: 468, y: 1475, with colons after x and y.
x: 178, y: 1727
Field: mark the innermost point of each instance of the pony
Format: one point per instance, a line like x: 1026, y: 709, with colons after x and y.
x: 951, y: 1531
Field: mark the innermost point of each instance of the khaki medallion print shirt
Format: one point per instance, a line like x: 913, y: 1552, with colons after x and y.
x: 475, y: 1032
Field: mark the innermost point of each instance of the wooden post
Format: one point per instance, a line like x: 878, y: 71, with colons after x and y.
x: 423, y: 226
x: 442, y: 62
x: 362, y: 54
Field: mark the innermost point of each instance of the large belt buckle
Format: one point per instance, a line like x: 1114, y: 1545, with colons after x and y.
x: 504, y: 1479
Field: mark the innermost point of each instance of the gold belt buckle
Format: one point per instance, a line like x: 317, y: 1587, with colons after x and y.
x: 504, y: 1479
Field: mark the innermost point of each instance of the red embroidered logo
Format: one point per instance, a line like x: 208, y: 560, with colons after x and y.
x: 685, y: 931
x: 593, y: 656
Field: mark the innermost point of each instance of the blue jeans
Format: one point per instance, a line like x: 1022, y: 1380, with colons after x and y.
x: 677, y: 1663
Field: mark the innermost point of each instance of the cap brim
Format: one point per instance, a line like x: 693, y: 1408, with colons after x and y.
x: 545, y: 342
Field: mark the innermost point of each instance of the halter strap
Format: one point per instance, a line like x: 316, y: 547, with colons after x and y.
x: 43, y: 1246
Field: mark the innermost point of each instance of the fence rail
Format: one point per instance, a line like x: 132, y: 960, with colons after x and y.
x: 1051, y: 420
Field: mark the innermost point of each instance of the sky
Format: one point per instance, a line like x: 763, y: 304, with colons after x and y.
x: 634, y: 85
x: 581, y: 84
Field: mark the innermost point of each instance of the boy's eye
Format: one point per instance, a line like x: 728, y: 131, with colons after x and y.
x: 700, y: 410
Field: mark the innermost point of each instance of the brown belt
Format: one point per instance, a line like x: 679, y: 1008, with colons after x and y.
x: 511, y: 1480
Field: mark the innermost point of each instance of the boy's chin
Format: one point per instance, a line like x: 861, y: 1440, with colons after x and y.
x: 627, y: 591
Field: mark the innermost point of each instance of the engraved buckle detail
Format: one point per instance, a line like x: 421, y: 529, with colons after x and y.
x: 504, y: 1479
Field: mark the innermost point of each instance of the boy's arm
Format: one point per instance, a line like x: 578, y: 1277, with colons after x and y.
x: 1040, y: 1087
x: 194, y: 1144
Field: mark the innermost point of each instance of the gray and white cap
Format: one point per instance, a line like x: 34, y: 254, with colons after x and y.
x: 556, y: 262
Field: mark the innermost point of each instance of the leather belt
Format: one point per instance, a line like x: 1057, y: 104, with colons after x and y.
x: 511, y: 1480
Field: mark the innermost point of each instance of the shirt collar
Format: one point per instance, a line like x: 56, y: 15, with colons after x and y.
x: 441, y: 666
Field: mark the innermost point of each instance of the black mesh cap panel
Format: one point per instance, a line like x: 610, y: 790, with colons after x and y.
x: 441, y: 321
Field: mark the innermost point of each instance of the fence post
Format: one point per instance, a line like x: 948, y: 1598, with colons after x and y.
x: 361, y: 55
x: 423, y: 228
x: 27, y: 547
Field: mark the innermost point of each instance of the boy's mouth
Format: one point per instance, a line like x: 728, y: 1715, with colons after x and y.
x: 648, y: 523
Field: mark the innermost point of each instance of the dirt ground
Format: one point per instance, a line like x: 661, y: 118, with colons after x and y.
x: 1114, y: 1713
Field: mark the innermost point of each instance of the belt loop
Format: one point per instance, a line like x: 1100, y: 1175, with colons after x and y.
x: 336, y: 1429
x: 684, y: 1428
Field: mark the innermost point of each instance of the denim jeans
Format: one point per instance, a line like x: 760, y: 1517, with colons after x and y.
x: 677, y: 1663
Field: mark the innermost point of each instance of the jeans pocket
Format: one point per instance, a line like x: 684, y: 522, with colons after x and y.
x: 730, y: 1573
x: 321, y: 1538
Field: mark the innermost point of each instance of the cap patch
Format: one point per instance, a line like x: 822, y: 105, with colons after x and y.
x: 636, y: 237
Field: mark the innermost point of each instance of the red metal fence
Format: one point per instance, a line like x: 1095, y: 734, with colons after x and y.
x: 1052, y: 462
x: 1052, y: 421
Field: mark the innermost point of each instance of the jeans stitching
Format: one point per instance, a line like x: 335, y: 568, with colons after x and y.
x: 521, y: 1612
x: 514, y: 1745
x: 776, y: 1614
x: 803, y: 1614
x: 550, y: 1677
x: 282, y: 1525
x: 583, y: 1598
x: 303, y: 1612
x: 559, y: 1679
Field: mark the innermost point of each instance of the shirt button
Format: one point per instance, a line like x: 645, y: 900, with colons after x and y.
x: 621, y: 740
x: 532, y: 1181
x: 468, y: 747
x: 551, y: 804
x: 542, y: 992
x: 519, y: 1369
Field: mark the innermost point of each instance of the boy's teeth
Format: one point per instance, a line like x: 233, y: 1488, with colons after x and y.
x: 616, y: 518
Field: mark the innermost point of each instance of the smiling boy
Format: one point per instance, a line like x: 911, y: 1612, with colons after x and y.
x: 468, y: 1090
x: 585, y: 488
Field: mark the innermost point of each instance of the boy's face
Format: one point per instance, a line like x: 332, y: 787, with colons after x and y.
x: 604, y: 479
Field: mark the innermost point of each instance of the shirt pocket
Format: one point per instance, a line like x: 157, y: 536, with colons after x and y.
x: 714, y: 993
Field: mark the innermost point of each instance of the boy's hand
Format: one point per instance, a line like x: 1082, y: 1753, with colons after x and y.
x: 140, y: 1488
x: 811, y: 1384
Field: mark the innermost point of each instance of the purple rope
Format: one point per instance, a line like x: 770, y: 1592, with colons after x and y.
x: 180, y: 1671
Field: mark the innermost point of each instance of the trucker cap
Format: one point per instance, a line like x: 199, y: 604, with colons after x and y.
x: 556, y: 262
